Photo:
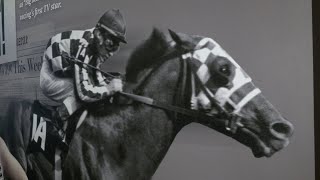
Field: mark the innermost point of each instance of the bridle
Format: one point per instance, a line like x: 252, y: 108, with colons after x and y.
x: 231, y: 122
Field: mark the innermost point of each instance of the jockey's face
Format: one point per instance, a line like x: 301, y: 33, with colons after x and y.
x: 111, y: 43
x: 105, y: 43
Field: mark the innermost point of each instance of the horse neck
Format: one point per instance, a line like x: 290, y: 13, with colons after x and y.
x: 158, y: 127
x: 162, y: 86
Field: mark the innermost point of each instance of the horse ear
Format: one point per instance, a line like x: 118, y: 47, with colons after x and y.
x: 183, y: 41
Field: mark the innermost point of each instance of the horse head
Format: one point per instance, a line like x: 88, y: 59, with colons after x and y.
x: 221, y: 87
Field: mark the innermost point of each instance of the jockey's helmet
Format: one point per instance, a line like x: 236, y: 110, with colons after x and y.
x: 113, y: 22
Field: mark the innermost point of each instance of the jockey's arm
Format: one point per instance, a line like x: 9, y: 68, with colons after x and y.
x: 87, y: 91
x: 11, y: 168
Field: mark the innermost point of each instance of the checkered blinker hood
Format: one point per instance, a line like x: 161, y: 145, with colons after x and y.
x: 230, y: 98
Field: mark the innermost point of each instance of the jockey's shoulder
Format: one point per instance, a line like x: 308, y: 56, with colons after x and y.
x: 82, y: 35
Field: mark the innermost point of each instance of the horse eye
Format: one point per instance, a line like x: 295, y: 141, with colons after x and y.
x: 225, y: 70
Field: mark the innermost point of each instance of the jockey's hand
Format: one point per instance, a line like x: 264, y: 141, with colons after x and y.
x: 116, y: 75
x: 116, y: 85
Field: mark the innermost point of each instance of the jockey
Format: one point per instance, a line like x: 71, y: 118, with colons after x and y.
x: 65, y: 76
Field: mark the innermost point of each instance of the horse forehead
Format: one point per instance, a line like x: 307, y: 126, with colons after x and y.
x: 207, y: 45
x: 213, y: 47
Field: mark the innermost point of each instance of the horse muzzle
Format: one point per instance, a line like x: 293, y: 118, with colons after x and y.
x: 267, y: 142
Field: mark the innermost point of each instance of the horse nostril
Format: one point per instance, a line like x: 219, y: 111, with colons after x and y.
x: 281, y: 130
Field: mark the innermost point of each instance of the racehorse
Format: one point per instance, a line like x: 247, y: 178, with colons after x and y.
x: 172, y: 80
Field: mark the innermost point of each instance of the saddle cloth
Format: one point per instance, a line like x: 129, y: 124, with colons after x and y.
x: 46, y: 132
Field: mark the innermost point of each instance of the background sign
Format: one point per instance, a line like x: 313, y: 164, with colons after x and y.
x: 7, y: 31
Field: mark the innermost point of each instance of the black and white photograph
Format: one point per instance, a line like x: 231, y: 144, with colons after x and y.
x: 161, y: 90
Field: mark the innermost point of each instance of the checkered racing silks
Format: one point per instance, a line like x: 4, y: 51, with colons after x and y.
x: 230, y: 99
x: 90, y: 85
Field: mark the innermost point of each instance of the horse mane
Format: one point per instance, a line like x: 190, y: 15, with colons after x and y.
x: 146, y: 53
